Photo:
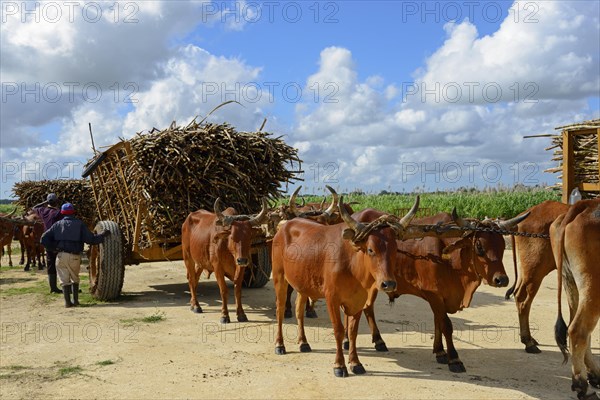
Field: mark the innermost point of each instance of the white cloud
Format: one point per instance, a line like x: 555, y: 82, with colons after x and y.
x: 43, y: 37
x: 361, y: 128
x: 44, y: 115
x: 352, y: 105
x: 391, y: 91
x: 544, y: 70
x: 408, y: 119
x: 195, y: 82
x: 103, y: 49
x: 553, y: 56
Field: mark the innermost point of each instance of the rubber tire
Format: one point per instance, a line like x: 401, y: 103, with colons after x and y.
x: 261, y: 262
x: 111, y: 263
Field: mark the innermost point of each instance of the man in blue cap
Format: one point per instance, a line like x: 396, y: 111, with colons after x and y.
x: 49, y: 212
x: 67, y: 237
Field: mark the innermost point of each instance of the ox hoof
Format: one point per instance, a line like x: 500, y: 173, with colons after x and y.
x: 533, y: 349
x: 197, y: 310
x: 280, y: 350
x: 287, y: 314
x: 381, y: 346
x: 340, y: 372
x: 442, y: 358
x: 346, y: 345
x: 358, y: 369
x: 457, y: 366
x: 26, y: 268
x: 305, y: 348
x: 594, y: 380
x: 225, y: 320
x: 311, y: 314
x: 242, y: 318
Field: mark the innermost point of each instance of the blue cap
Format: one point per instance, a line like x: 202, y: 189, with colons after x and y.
x: 67, y: 209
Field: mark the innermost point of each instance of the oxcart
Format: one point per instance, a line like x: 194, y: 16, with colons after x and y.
x: 143, y: 196
x: 126, y: 217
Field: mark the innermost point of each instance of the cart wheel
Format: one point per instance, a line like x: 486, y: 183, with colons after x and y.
x: 259, y: 273
x: 107, y: 263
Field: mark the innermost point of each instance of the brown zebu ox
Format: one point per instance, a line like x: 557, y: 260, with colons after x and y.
x: 445, y: 272
x: 7, y: 228
x: 317, y: 213
x: 575, y: 238
x: 12, y: 229
x: 18, y: 236
x: 339, y: 263
x: 219, y: 242
x: 32, y: 235
x: 534, y: 261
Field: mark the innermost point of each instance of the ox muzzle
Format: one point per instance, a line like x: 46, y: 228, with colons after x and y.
x: 388, y: 286
x: 242, y: 262
x: 500, y: 280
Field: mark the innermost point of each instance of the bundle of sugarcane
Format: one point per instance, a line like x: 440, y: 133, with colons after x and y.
x: 175, y: 171
x: 75, y: 191
x: 585, y: 153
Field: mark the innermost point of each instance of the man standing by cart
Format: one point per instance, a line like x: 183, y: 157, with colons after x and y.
x: 67, y: 238
x: 49, y: 212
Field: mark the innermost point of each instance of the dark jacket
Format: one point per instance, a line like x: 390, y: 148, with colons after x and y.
x: 69, y: 234
x: 49, y: 215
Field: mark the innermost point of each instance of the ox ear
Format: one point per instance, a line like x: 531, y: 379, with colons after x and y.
x: 220, y: 235
x: 459, y: 244
x: 348, y: 234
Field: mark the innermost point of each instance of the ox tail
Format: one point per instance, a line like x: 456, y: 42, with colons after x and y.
x: 560, y: 335
x: 511, y: 290
x: 560, y: 327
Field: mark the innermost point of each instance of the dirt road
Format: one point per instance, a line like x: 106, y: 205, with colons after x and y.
x: 149, y: 345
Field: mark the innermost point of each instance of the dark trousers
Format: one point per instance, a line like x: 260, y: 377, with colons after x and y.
x: 51, y: 262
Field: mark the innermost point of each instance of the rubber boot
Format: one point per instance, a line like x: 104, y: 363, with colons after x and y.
x: 67, y: 294
x: 52, y: 283
x: 76, y: 294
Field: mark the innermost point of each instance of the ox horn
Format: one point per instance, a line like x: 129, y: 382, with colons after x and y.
x: 410, y: 215
x: 511, y: 223
x: 322, y: 205
x: 334, y: 202
x: 292, y: 204
x: 262, y: 216
x: 458, y: 220
x: 217, y: 209
x: 17, y: 221
x: 356, y: 226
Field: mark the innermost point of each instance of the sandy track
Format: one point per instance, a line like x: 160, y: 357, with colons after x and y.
x: 106, y: 351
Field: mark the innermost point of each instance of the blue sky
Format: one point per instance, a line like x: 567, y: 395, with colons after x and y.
x: 393, y: 95
x: 387, y: 38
